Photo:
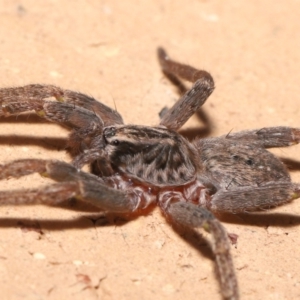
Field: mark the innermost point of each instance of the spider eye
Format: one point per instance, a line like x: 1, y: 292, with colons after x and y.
x: 109, y: 132
x: 116, y: 142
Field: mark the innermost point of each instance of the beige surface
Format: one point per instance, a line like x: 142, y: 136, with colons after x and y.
x: 107, y: 49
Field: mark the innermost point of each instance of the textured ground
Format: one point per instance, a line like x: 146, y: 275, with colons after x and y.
x: 107, y: 49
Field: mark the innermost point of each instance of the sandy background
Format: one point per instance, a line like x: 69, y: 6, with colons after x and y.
x: 107, y: 49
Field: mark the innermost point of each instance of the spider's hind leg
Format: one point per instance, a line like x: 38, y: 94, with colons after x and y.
x: 268, y: 137
x: 254, y: 198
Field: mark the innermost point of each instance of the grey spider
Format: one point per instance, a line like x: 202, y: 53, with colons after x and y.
x: 136, y: 166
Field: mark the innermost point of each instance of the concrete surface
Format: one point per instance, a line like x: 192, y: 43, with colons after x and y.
x: 107, y: 49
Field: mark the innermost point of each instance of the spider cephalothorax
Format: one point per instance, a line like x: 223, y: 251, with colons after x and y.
x: 134, y: 166
x: 156, y: 155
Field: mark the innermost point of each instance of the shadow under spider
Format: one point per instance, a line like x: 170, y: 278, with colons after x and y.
x: 83, y: 222
x: 262, y: 219
x: 292, y: 164
x: 50, y: 143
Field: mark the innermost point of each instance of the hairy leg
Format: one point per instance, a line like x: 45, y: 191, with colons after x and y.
x: 86, y: 126
x: 53, y: 194
x: 197, y: 217
x: 253, y: 198
x: 66, y: 114
x: 194, y: 216
x: 35, y: 92
x: 188, y: 104
x: 269, y: 137
x: 71, y: 183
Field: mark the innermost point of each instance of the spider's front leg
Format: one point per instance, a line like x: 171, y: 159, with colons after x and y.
x: 194, y: 216
x: 83, y: 115
x: 86, y: 126
x: 37, y: 92
x: 190, y: 102
x: 71, y: 183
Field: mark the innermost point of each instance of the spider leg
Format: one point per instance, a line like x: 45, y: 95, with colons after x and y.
x: 191, y: 215
x: 35, y: 92
x: 86, y: 135
x: 253, y: 198
x: 190, y: 102
x: 269, y: 137
x: 66, y: 114
x: 48, y: 195
x: 71, y: 183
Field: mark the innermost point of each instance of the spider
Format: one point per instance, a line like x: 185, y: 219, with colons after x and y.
x: 135, y: 166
